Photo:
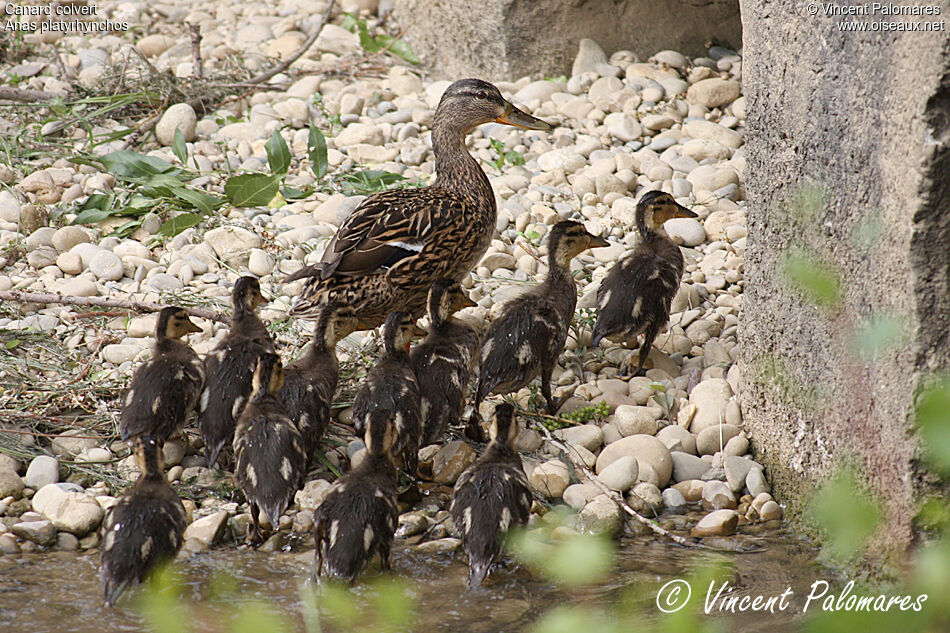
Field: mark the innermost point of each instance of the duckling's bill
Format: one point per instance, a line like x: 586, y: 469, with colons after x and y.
x: 514, y: 116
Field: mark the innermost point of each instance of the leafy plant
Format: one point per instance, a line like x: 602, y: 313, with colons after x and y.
x: 511, y: 157
x: 381, y: 42
x: 591, y: 413
x: 368, y: 181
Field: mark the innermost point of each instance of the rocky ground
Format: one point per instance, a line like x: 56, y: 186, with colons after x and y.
x: 672, y: 442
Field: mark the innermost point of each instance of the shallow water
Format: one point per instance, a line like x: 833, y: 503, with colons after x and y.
x: 60, y: 591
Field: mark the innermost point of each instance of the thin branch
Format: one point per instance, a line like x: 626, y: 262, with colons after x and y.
x: 23, y: 94
x: 284, y: 65
x: 136, y: 306
x: 196, y: 49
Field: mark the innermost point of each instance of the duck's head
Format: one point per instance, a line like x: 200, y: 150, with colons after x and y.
x: 148, y: 454
x: 174, y: 323
x: 655, y: 208
x: 398, y: 331
x: 246, y: 295
x: 446, y: 297
x: 568, y: 240
x: 380, y: 432
x: 268, y: 375
x: 503, y: 429
x: 336, y: 322
x: 468, y: 103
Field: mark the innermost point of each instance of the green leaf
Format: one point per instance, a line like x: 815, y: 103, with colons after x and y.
x: 178, y: 146
x: 179, y: 223
x: 204, y: 202
x: 129, y: 164
x: 92, y: 216
x: 292, y: 193
x: 514, y: 158
x: 399, y: 48
x: 278, y: 154
x: 251, y: 190
x: 933, y: 424
x: 845, y: 512
x: 12, y: 343
x: 877, y: 334
x: 317, y: 152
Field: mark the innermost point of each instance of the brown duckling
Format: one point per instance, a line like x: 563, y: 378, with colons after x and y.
x: 229, y: 368
x: 269, y: 452
x: 358, y: 518
x: 636, y: 294
x: 443, y: 360
x: 144, y: 528
x: 166, y: 387
x: 529, y: 335
x: 490, y: 497
x: 310, y: 381
x: 391, y: 384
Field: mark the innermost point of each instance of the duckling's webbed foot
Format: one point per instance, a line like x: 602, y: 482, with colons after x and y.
x: 631, y: 366
x: 254, y: 537
x: 473, y: 428
x: 553, y: 404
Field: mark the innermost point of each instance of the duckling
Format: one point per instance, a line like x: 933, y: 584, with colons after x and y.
x: 165, y: 388
x: 443, y: 360
x: 490, y: 497
x: 229, y: 367
x: 144, y: 528
x: 269, y: 451
x: 391, y: 384
x: 636, y: 294
x: 358, y: 517
x: 530, y: 333
x: 310, y: 381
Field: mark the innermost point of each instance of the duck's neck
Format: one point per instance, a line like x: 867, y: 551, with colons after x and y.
x: 454, y: 165
x: 559, y: 269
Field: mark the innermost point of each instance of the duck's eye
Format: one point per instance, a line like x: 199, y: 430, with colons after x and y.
x: 481, y: 94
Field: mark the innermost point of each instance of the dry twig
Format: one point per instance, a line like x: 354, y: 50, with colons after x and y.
x: 137, y: 306
x: 284, y: 65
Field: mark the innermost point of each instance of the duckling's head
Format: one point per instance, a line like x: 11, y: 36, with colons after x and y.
x: 503, y: 429
x: 174, y: 323
x: 380, y: 432
x: 398, y: 331
x: 268, y: 375
x: 655, y: 208
x: 148, y: 455
x: 246, y: 295
x: 446, y: 297
x: 336, y: 322
x: 468, y: 103
x: 568, y: 240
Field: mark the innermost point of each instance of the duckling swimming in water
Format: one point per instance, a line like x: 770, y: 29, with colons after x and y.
x: 310, y: 381
x: 144, y: 528
x: 164, y: 388
x: 229, y: 368
x: 391, y: 384
x: 636, y: 294
x: 529, y: 334
x: 269, y: 451
x: 490, y: 497
x: 358, y: 518
x: 443, y: 360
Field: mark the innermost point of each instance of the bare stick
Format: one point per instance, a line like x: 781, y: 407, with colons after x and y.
x: 137, y: 306
x: 196, y: 49
x: 29, y: 96
x: 284, y: 65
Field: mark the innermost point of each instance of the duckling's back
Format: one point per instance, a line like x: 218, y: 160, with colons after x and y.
x: 391, y: 385
x: 309, y: 385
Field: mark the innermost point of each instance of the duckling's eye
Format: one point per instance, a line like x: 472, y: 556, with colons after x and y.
x: 481, y: 94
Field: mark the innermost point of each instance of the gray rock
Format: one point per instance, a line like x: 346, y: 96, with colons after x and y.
x: 577, y: 495
x: 451, y: 461
x: 42, y: 470
x: 589, y: 55
x: 645, y: 497
x: 736, y: 469
x: 590, y: 436
x: 179, y: 116
x: 9, y: 462
x: 233, y: 244
x: 677, y: 438
x: 106, y: 266
x: 711, y: 439
x: 635, y: 420
x: 411, y: 523
x: 645, y: 448
x: 40, y: 532
x: 448, y: 544
x: 713, y: 92
x: 68, y: 236
x: 710, y: 398
x: 674, y: 501
x: 8, y: 544
x: 550, y: 479
x: 174, y: 451
x: 770, y: 511
x: 600, y: 516
x: 208, y: 530
x: 620, y: 475
x: 755, y: 482
x: 65, y: 444
x: 10, y: 484
x: 737, y: 446
x: 717, y: 523
x: 686, y: 466
x: 66, y: 542
x: 312, y: 494
x: 74, y: 512
x: 716, y: 495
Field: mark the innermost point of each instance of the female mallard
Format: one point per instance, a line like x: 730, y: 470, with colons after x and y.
x: 144, y: 528
x: 358, y: 518
x: 636, y: 294
x: 391, y: 248
x: 490, y: 497
x: 443, y: 360
x: 310, y: 381
x: 230, y: 366
x: 530, y: 333
x: 165, y: 388
x: 269, y: 452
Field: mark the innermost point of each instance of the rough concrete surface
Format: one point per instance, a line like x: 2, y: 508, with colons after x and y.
x: 507, y: 39
x: 856, y: 128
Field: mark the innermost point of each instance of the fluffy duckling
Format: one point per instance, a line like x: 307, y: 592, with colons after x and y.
x: 443, y: 360
x: 636, y: 294
x: 358, y: 518
x: 144, y: 528
x: 391, y: 384
x: 229, y: 368
x: 310, y: 381
x: 166, y: 387
x: 529, y: 335
x: 269, y: 451
x: 490, y: 497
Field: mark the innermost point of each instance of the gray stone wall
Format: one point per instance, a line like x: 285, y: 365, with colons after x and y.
x: 508, y: 39
x: 848, y: 141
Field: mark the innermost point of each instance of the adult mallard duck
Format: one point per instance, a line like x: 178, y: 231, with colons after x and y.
x: 636, y: 294
x: 165, y: 388
x: 230, y: 366
x: 391, y: 248
x: 529, y: 335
